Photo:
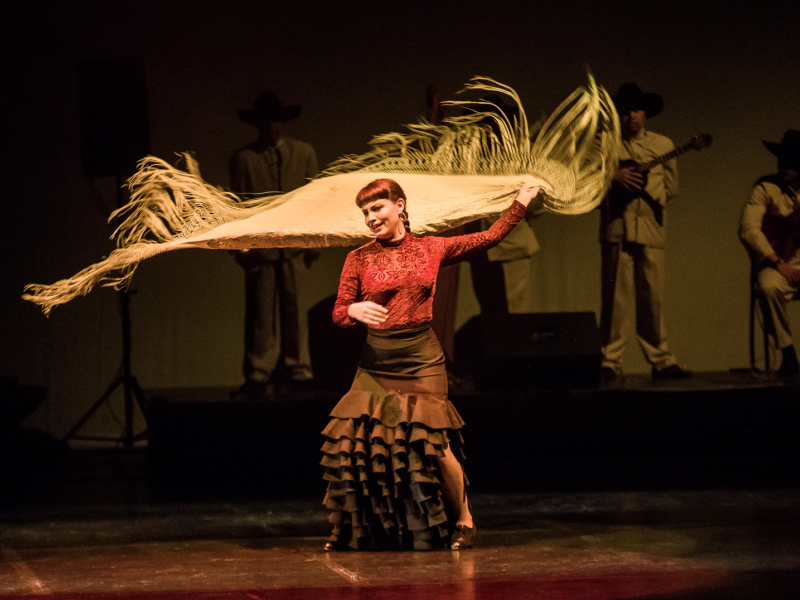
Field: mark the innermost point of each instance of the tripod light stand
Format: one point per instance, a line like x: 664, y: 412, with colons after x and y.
x: 126, y: 379
x: 115, y: 134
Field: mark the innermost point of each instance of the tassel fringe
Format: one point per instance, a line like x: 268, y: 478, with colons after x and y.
x: 572, y: 158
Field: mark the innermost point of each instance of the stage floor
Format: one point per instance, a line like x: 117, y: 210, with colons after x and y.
x: 703, y: 381
x: 671, y: 490
x: 732, y: 544
x: 706, y: 381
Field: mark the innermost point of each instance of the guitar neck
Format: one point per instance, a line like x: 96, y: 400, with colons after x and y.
x: 660, y: 160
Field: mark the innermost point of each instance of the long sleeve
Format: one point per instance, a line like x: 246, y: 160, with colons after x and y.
x: 670, y: 180
x: 456, y: 249
x: 750, y: 224
x: 401, y: 275
x: 642, y: 219
x: 348, y: 293
x: 662, y: 181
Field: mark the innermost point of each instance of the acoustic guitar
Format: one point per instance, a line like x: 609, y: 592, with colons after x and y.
x: 698, y: 142
x: 783, y: 233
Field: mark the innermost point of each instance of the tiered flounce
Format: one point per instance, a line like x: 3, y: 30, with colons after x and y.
x: 382, y: 448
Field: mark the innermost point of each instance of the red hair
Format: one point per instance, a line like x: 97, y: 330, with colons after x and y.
x: 384, y: 189
x: 380, y: 189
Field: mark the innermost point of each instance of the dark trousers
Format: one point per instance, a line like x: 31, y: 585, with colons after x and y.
x: 276, y: 323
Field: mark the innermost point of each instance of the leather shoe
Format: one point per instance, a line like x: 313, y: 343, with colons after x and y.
x: 671, y: 372
x: 463, y: 537
x: 790, y: 367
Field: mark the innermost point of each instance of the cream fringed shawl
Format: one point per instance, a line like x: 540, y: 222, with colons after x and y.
x: 452, y: 173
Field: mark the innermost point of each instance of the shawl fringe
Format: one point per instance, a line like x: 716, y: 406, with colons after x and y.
x: 573, y: 158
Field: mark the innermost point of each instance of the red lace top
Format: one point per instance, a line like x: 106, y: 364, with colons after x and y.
x: 402, y: 275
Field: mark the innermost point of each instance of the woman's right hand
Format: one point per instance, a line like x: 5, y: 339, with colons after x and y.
x: 527, y: 193
x: 368, y: 312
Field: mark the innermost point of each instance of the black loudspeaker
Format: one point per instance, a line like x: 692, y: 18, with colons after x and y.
x: 531, y: 351
x: 115, y: 128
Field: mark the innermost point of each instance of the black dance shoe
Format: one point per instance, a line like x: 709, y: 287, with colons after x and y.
x: 343, y: 545
x: 463, y: 537
x: 336, y: 546
x: 790, y: 367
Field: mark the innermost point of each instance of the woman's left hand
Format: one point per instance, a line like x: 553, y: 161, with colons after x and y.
x: 527, y: 193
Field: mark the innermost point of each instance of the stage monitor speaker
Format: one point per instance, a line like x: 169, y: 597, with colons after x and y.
x: 533, y: 351
x: 115, y: 129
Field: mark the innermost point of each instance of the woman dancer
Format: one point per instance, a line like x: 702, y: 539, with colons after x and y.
x: 393, y: 447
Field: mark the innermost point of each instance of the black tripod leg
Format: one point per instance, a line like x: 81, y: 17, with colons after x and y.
x: 118, y: 381
x: 130, y: 387
x: 139, y: 395
x: 141, y: 398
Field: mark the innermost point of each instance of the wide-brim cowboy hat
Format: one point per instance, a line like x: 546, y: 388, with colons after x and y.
x: 268, y: 109
x: 500, y: 104
x: 631, y: 97
x: 491, y: 103
x: 789, y: 147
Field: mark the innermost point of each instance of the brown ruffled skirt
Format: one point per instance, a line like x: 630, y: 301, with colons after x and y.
x: 383, y: 442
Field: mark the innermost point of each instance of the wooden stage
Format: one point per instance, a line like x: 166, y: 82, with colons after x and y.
x: 690, y: 545
x: 681, y: 490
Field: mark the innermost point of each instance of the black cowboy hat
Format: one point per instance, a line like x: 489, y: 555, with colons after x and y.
x: 499, y: 106
x: 789, y: 147
x: 491, y: 103
x: 502, y: 105
x: 268, y: 109
x: 630, y: 97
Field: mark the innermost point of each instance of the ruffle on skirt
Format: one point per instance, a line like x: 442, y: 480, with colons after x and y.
x: 381, y: 460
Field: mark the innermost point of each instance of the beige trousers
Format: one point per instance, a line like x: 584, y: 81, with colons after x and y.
x: 775, y: 292
x: 502, y: 287
x: 517, y: 275
x: 632, y: 286
x: 275, y: 321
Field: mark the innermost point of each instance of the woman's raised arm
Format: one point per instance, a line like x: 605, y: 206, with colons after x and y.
x: 463, y: 247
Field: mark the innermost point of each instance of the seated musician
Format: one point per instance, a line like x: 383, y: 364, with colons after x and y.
x: 770, y: 229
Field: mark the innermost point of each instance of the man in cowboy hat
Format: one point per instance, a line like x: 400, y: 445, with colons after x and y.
x: 273, y: 277
x: 770, y: 230
x: 632, y: 238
